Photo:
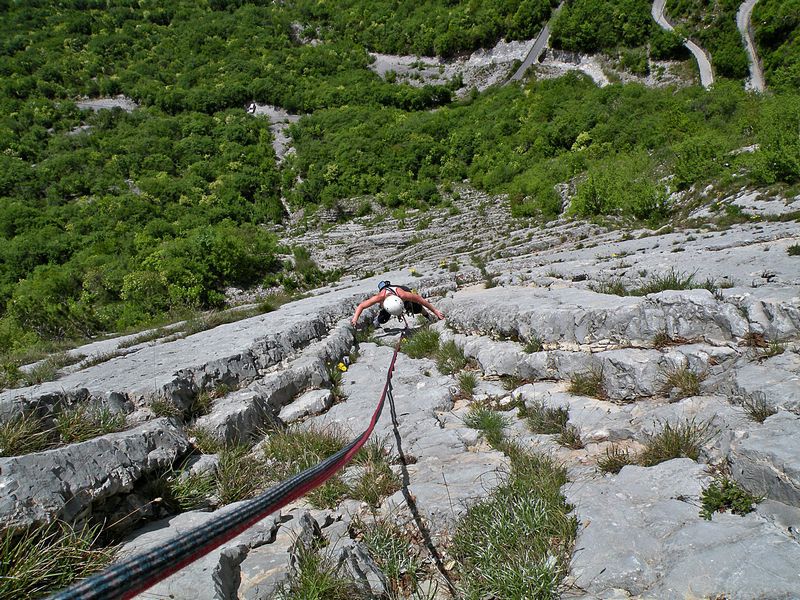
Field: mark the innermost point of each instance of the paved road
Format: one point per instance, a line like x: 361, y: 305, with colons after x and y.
x: 706, y: 74
x: 536, y: 50
x: 756, y: 81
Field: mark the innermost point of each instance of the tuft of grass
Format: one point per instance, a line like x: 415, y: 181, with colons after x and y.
x: 512, y: 382
x: 292, y: 450
x: 82, y: 423
x: 47, y: 369
x: 240, y: 474
x: 753, y: 339
x: 681, y: 382
x: 163, y: 407
x: 491, y: 423
x: 450, y: 358
x: 545, y: 419
x: 570, y: 437
x: 615, y: 458
x: 202, y: 403
x: 758, y: 409
x: 774, y: 348
x: 145, y: 336
x: 454, y: 267
x: 793, y: 250
x: 517, y: 543
x: 24, y: 434
x: 467, y: 383
x: 204, y: 440
x: 364, y: 333
x: 377, y: 480
x: 315, y: 578
x: 42, y: 560
x: 612, y: 287
x: 661, y: 340
x: 422, y: 344
x: 726, y: 494
x: 683, y: 439
x: 192, y: 490
x: 533, y: 345
x: 588, y: 383
x: 673, y: 280
x: 392, y: 550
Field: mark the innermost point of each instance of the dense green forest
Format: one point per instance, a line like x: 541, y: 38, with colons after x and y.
x: 111, y: 220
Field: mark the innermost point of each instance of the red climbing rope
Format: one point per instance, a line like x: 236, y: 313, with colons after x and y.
x: 139, y: 572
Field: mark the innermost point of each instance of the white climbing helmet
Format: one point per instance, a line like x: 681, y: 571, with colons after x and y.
x: 393, y: 305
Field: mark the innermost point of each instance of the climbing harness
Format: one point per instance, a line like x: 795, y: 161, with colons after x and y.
x: 139, y: 572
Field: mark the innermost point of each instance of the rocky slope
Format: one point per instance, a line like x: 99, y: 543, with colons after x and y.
x: 544, y: 322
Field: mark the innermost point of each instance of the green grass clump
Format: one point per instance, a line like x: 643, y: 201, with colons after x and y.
x: 793, y: 250
x: 545, y: 419
x: 467, y: 383
x: 204, y: 440
x: 490, y: 422
x: 240, y: 474
x: 684, y: 439
x: 615, y: 458
x: 758, y: 409
x: 377, y: 480
x: 773, y: 348
x: 163, y: 407
x: 533, y: 345
x: 42, y: 560
x: 613, y: 287
x: 290, y: 451
x: 316, y: 578
x: 450, y: 358
x: 422, y: 344
x: 674, y: 280
x: 82, y: 423
x: 23, y: 434
x: 681, y: 382
x: 192, y: 490
x: 517, y: 543
x: 726, y: 494
x: 588, y: 383
x: 401, y: 561
x: 570, y: 437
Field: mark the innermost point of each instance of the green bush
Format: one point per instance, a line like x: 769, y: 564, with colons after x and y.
x: 726, y: 494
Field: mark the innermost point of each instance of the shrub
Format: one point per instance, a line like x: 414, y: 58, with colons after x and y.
x: 726, y: 494
x: 684, y: 439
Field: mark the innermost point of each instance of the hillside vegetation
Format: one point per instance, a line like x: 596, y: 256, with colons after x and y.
x: 777, y: 29
x: 112, y: 220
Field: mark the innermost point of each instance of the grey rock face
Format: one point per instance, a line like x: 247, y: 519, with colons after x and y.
x: 313, y: 402
x: 64, y: 483
x: 766, y: 459
x: 774, y: 382
x: 640, y: 533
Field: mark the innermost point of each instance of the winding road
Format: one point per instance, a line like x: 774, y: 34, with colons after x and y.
x: 756, y: 81
x: 538, y: 47
x: 703, y: 63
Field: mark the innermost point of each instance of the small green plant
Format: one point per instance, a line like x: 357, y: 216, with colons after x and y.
x: 615, y: 458
x: 454, y: 266
x: 204, y: 440
x: 83, y: 422
x: 512, y: 382
x: 24, y: 434
x: 240, y: 474
x: 191, y: 491
x: 545, y: 419
x: 41, y: 560
x: 673, y: 280
x: 613, y: 287
x: 533, y: 345
x: 145, y: 336
x: 377, y: 480
x: 422, y: 344
x: 397, y: 557
x: 570, y: 437
x: 588, y: 383
x: 450, y: 358
x: 683, y: 439
x: 758, y: 409
x: 201, y: 404
x: 517, y: 543
x: 726, y: 494
x: 681, y: 382
x: 491, y: 423
x: 793, y: 250
x: 774, y: 348
x: 163, y: 407
x: 467, y: 383
x: 315, y: 578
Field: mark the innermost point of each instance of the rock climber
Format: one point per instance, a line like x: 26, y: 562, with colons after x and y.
x: 395, y: 300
